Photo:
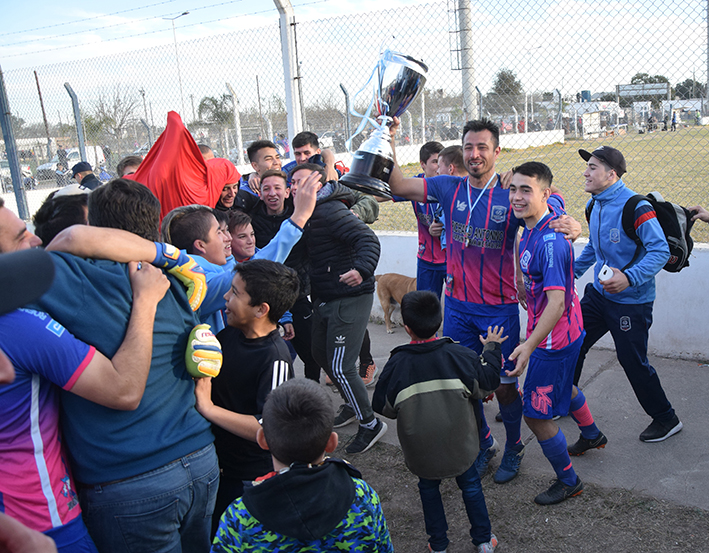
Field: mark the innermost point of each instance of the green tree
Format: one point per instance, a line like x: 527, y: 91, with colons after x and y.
x: 507, y: 92
x: 507, y: 84
x: 217, y: 110
x: 689, y: 88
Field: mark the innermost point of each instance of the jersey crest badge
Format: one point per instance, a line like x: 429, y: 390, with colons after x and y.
x: 498, y: 213
x: 625, y: 323
x: 615, y: 235
x: 524, y: 260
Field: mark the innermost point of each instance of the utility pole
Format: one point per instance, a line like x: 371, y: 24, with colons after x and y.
x: 177, y: 58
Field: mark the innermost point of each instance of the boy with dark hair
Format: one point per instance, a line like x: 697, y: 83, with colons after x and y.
x: 431, y: 257
x: 256, y: 361
x: 431, y: 386
x: 58, y: 213
x: 554, y: 330
x: 128, y: 205
x: 310, y: 502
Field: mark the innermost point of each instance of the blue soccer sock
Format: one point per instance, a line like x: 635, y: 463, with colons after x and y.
x: 512, y: 419
x: 579, y: 411
x: 486, y: 439
x: 554, y: 450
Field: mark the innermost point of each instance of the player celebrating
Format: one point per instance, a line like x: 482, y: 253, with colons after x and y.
x: 554, y: 329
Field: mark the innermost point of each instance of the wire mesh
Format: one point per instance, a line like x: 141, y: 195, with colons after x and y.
x: 555, y: 76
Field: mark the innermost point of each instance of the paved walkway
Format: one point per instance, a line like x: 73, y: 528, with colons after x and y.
x: 677, y: 469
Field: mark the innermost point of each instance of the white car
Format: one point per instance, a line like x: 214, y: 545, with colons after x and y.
x: 47, y: 171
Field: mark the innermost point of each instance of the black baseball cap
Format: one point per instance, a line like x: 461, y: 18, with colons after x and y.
x: 80, y: 168
x: 24, y: 277
x: 610, y: 156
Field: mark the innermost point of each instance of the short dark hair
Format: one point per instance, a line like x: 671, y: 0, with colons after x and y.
x: 480, y: 125
x: 452, y: 155
x: 258, y: 145
x: 309, y: 167
x: 127, y: 205
x: 204, y: 148
x: 306, y: 138
x: 270, y: 282
x: 187, y: 225
x: 221, y: 216
x: 2, y: 202
x: 536, y: 170
x: 297, y: 421
x: 428, y: 149
x: 56, y: 214
x: 238, y: 219
x: 421, y: 312
x: 128, y: 161
x: 275, y: 173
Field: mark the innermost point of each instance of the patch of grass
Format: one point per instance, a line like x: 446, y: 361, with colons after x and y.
x: 673, y: 163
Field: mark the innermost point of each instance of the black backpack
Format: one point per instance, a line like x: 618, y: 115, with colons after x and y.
x: 675, y: 220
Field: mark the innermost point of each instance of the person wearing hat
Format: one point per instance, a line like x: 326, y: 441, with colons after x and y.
x: 620, y: 298
x: 84, y: 175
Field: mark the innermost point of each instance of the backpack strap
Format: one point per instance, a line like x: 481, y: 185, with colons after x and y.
x: 628, y: 221
x: 589, y: 209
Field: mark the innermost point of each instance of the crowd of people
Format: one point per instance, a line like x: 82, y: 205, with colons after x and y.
x: 149, y: 400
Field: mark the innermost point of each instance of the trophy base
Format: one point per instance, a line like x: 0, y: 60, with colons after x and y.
x: 370, y: 174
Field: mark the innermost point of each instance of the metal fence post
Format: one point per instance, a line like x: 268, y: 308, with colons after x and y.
x: 77, y: 120
x: 237, y: 126
x: 347, y: 111
x: 467, y: 61
x: 294, y: 101
x: 11, y: 149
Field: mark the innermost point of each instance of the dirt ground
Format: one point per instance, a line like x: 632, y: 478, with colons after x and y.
x: 599, y: 520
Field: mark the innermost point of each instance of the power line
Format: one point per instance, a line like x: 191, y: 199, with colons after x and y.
x: 131, y: 22
x: 87, y: 19
x: 156, y: 31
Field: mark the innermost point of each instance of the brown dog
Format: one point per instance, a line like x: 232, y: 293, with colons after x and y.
x: 391, y: 287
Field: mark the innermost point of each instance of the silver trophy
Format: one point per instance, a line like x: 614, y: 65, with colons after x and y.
x: 398, y: 79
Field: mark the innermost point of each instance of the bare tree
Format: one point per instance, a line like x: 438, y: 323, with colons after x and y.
x: 115, y: 110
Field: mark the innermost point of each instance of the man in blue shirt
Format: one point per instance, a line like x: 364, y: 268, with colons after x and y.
x: 621, y: 301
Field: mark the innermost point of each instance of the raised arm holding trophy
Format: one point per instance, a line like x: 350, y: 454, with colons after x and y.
x: 398, y: 79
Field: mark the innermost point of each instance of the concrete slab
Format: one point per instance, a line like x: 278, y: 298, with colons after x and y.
x: 677, y: 469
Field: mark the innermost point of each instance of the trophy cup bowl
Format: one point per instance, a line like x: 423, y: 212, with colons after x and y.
x: 400, y: 79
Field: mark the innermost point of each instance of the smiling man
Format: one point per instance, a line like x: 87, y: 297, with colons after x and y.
x: 622, y: 304
x: 480, y: 288
x: 554, y: 329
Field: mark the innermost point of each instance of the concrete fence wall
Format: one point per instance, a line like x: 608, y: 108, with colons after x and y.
x: 681, y: 309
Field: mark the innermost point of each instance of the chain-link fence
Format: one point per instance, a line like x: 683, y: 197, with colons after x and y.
x: 554, y: 76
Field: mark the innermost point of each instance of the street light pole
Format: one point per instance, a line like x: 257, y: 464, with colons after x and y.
x: 177, y: 58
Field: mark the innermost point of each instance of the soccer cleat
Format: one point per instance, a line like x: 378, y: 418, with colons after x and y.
x: 432, y: 550
x: 345, y: 415
x: 509, y: 466
x: 369, y: 375
x: 558, y: 492
x: 582, y: 445
x: 482, y: 461
x: 366, y: 438
x: 659, y: 431
x: 488, y: 547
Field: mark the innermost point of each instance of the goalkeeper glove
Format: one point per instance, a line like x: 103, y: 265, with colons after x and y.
x: 204, y: 352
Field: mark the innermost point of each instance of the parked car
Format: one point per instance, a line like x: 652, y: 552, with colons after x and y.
x: 5, y: 176
x: 94, y: 154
